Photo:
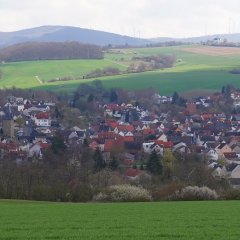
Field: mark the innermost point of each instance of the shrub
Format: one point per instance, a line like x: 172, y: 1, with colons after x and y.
x: 231, y: 194
x: 80, y: 193
x: 194, y: 194
x: 123, y: 193
x: 166, y: 191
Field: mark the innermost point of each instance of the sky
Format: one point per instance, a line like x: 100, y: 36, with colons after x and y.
x: 138, y: 18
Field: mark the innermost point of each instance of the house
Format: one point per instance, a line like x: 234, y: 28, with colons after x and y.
x: 212, y: 154
x: 42, y: 119
x: 223, y: 148
x: 163, y: 138
x: 234, y: 176
x: 152, y: 146
x: 230, y: 156
x: 220, y: 172
x: 181, y: 147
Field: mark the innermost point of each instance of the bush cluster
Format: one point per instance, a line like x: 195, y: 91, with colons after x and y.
x: 123, y: 193
x: 194, y: 193
x: 231, y: 194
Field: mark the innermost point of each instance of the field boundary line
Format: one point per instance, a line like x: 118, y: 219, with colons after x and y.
x: 120, y: 64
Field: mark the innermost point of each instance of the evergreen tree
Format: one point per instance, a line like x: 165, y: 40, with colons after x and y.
x: 223, y: 89
x: 113, y: 96
x: 134, y: 166
x: 113, y: 165
x: 85, y: 143
x: 127, y: 117
x: 57, y: 113
x: 90, y: 98
x: 58, y: 144
x: 175, y: 98
x: 99, y: 162
x: 154, y: 164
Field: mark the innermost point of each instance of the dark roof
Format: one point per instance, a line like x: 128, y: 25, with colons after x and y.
x: 133, y: 145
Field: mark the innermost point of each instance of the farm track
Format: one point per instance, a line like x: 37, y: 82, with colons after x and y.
x: 39, y: 80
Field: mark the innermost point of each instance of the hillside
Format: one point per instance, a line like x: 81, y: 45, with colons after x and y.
x: 204, y: 68
x: 50, y: 51
x: 64, y: 33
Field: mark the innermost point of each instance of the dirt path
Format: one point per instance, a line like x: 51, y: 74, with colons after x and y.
x: 38, y: 79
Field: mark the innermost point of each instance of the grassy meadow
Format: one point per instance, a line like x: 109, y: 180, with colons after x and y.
x: 192, y: 71
x: 144, y: 221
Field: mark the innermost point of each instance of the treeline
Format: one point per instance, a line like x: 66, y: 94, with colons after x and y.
x: 159, y: 61
x: 235, y: 71
x: 140, y: 64
x: 149, y: 63
x: 50, y: 51
x: 108, y: 71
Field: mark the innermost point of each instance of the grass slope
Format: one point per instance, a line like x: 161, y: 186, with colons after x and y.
x: 143, y: 221
x: 23, y: 74
x: 194, y: 71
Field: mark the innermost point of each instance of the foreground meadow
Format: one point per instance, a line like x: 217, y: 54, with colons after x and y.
x: 142, y: 221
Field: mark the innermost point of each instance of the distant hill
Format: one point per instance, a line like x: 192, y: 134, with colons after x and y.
x: 63, y: 34
x: 31, y: 51
x: 101, y: 38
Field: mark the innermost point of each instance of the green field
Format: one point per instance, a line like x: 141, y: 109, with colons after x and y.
x: 141, y: 221
x: 194, y: 71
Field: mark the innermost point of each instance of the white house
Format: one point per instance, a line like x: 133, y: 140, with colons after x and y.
x: 150, y: 147
x: 212, y: 154
x: 42, y: 119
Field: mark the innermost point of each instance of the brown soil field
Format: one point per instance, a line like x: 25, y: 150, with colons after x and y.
x: 214, y: 51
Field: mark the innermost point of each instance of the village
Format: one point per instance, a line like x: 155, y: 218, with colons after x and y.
x: 27, y: 127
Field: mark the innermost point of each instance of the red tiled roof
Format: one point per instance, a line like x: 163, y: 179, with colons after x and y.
x: 164, y: 144
x: 114, y: 106
x: 133, y: 172
x: 107, y: 135
x: 42, y: 115
x: 125, y: 128
x: 108, y: 145
x: 230, y: 155
x: 148, y: 131
x: 128, y: 162
x: 45, y: 145
x: 128, y: 139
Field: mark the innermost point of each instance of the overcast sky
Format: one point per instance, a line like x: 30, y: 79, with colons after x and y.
x: 144, y: 18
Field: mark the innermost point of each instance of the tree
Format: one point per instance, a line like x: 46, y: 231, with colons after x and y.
x: 90, y: 98
x: 127, y: 117
x: 99, y: 162
x: 58, y: 144
x: 113, y: 165
x: 57, y: 113
x: 154, y: 164
x: 85, y: 143
x: 113, y: 96
x: 168, y: 163
x: 223, y: 89
x: 175, y: 98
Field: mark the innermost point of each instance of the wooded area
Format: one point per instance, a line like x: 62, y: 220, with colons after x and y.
x: 50, y: 51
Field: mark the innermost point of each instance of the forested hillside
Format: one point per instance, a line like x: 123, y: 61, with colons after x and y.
x: 50, y: 51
